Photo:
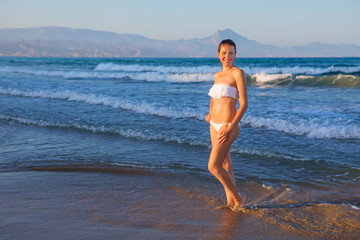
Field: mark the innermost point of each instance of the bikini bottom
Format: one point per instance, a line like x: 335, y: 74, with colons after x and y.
x: 217, y: 126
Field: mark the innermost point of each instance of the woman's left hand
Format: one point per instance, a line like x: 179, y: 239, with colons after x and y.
x: 224, y: 134
x: 207, y: 118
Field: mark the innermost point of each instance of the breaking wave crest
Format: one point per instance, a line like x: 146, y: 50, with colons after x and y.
x: 302, y: 76
x: 312, y: 129
x: 301, y: 70
x: 150, y: 68
x: 127, y: 133
x: 286, y: 79
x: 136, y: 134
x: 295, y: 70
x: 139, y: 76
x: 144, y: 108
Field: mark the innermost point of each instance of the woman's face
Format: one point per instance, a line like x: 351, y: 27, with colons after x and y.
x: 227, y: 55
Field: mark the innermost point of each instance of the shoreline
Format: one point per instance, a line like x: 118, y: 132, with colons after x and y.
x: 92, y: 205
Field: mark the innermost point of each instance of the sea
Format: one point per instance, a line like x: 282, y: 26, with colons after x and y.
x: 297, y: 157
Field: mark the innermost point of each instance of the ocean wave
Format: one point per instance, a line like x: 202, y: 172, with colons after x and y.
x: 286, y: 79
x: 299, y: 70
x: 331, y: 76
x: 294, y: 70
x: 263, y: 77
x: 136, y: 134
x: 339, y: 80
x: 151, y: 68
x: 126, y: 133
x: 312, y: 129
x: 140, y: 76
x: 143, y: 108
x: 118, y: 168
x: 265, y: 153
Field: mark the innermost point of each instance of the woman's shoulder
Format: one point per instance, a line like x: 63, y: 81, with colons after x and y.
x: 237, y: 73
x: 237, y: 70
x: 239, y: 76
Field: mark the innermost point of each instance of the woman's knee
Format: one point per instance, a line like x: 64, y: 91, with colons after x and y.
x: 213, y: 168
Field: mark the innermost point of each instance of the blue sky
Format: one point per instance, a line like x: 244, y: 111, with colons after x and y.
x: 278, y: 22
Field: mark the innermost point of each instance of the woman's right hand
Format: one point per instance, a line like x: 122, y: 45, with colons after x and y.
x: 207, y: 118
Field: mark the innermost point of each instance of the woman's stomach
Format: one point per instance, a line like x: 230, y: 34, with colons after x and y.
x: 223, y: 110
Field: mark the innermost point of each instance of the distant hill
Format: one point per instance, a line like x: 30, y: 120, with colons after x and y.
x: 68, y: 42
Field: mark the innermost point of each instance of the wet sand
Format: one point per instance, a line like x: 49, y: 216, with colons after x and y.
x: 143, y: 205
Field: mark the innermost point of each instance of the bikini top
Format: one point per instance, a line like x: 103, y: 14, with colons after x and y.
x: 218, y: 91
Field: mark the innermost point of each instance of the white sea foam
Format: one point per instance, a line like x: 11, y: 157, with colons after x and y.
x: 127, y: 133
x: 304, y: 77
x: 152, y: 68
x: 205, y: 69
x: 179, y: 73
x: 312, y: 129
x: 265, y: 153
x: 297, y: 70
x: 355, y: 207
x: 341, y: 76
x: 131, y: 133
x: 263, y: 77
x: 267, y: 187
x: 212, y: 69
x: 141, y: 76
x: 142, y: 107
x: 176, y: 77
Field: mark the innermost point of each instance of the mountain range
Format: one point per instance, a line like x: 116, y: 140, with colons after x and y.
x: 69, y: 42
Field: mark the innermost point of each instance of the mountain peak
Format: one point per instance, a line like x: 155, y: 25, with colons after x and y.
x: 225, y: 34
x: 226, y: 31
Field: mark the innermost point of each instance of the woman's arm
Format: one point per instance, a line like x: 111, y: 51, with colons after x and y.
x: 208, y: 117
x: 240, y: 80
x: 243, y: 98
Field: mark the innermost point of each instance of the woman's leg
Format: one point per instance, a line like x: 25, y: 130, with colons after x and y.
x: 217, y: 157
x: 227, y: 165
x: 213, y: 133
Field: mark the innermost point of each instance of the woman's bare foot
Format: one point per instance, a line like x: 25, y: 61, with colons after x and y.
x: 239, y: 207
x: 227, y: 206
x: 243, y: 199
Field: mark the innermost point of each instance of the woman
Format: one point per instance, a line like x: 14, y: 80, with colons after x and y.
x: 229, y: 85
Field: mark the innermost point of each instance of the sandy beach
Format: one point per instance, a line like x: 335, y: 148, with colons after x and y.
x: 138, y: 205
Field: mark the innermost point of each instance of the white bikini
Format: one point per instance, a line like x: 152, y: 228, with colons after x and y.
x: 218, y: 91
